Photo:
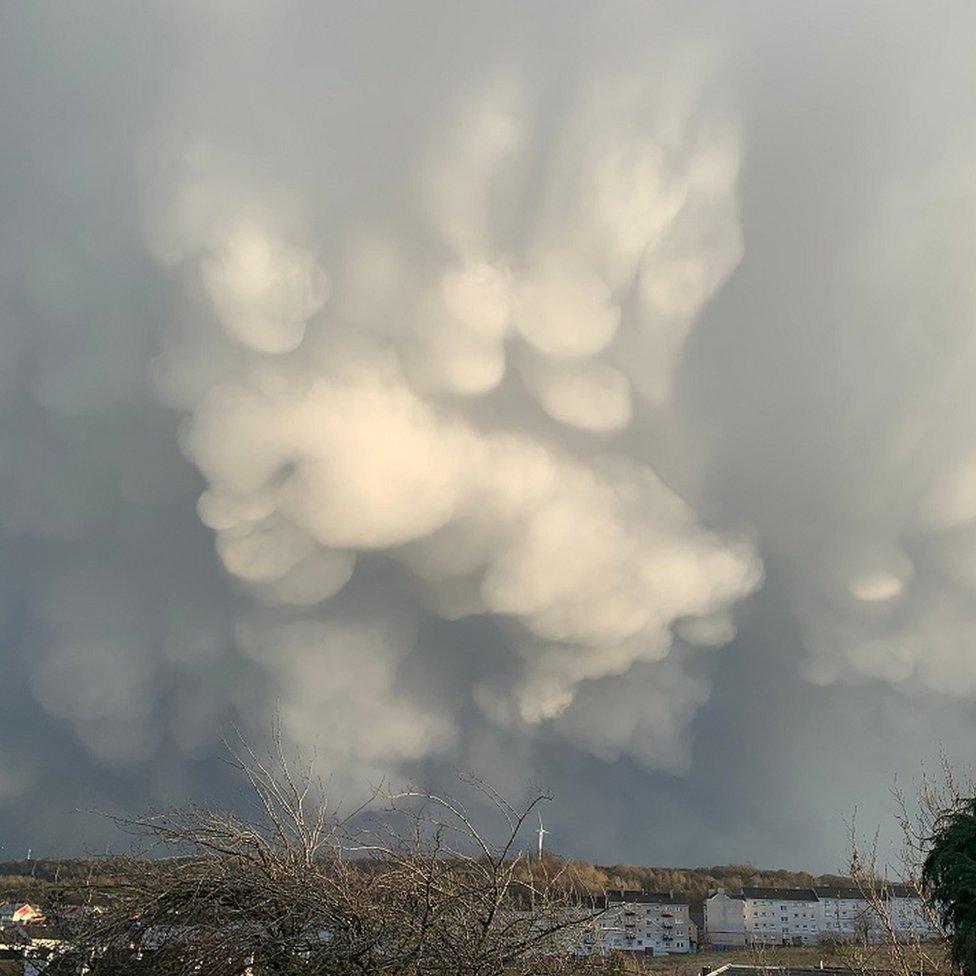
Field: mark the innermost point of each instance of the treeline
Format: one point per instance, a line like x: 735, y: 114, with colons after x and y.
x: 693, y: 884
x: 33, y: 879
x: 64, y: 868
x: 45, y: 879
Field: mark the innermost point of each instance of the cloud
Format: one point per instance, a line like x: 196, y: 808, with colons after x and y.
x: 332, y: 439
x: 581, y: 396
x: 263, y: 292
x: 592, y: 397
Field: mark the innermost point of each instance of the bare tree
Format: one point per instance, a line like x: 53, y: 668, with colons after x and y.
x: 887, y: 939
x: 407, y: 884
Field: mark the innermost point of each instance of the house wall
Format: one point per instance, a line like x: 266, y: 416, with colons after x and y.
x: 847, y: 918
x: 644, y: 927
x: 725, y: 921
x: 774, y: 921
x: 909, y: 918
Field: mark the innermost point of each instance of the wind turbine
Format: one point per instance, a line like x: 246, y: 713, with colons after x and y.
x: 542, y: 833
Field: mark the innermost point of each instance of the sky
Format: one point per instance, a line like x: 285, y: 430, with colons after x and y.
x: 581, y: 394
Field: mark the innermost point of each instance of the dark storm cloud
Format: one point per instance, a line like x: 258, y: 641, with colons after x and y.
x: 454, y: 384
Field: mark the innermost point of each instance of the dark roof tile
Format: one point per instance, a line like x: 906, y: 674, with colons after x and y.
x: 780, y: 894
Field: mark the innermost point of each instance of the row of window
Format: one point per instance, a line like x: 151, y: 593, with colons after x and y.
x: 772, y: 925
x: 783, y: 913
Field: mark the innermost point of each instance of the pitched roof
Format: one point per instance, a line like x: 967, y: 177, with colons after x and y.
x: 643, y: 898
x: 848, y: 893
x: 903, y: 891
x: 26, y: 913
x: 780, y: 894
x: 886, y: 890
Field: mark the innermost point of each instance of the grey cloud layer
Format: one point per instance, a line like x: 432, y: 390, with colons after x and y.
x: 446, y: 384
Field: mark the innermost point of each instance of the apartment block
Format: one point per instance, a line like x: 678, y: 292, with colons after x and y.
x: 806, y: 916
x: 781, y: 916
x: 643, y: 922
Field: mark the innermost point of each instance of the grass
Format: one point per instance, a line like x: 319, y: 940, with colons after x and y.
x: 694, y: 963
x: 809, y: 957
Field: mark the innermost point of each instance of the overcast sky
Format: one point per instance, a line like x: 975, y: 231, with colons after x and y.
x: 579, y: 393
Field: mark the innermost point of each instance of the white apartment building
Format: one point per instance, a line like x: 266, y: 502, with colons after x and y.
x: 781, y: 916
x: 847, y: 914
x: 805, y: 916
x: 643, y: 922
x: 909, y: 915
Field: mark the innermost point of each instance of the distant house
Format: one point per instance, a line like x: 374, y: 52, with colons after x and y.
x: 20, y: 914
x: 27, y: 913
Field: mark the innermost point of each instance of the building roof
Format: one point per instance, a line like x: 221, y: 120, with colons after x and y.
x: 886, y: 890
x: 903, y: 891
x: 848, y: 893
x: 780, y: 894
x: 595, y: 903
x: 643, y: 898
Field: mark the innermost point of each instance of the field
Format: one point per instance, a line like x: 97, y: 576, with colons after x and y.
x: 695, y: 963
x: 807, y: 957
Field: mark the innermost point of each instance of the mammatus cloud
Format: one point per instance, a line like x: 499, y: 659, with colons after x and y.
x: 400, y: 402
x: 885, y: 591
x: 444, y: 381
